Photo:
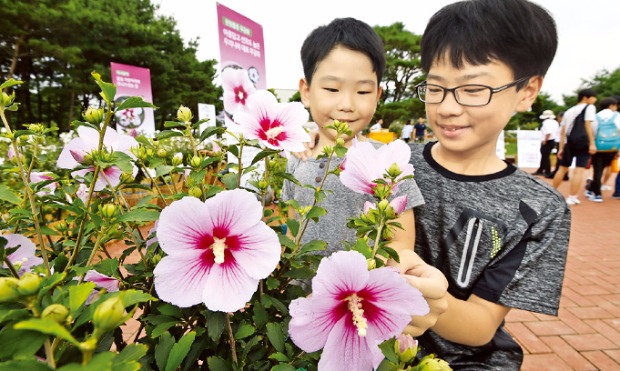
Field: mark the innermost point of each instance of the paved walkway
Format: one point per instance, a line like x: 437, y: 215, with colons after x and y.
x: 586, y: 333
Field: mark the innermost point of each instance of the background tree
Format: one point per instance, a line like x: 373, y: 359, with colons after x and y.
x: 403, y: 72
x: 53, y: 45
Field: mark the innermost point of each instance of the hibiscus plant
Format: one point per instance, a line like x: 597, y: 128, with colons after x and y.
x: 212, y: 274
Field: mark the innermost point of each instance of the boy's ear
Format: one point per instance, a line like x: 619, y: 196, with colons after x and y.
x: 529, y: 93
x: 304, y: 92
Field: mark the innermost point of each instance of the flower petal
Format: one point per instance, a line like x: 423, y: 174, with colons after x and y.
x: 260, y: 251
x: 180, y: 224
x: 180, y: 281
x: 228, y: 288
x: 343, y: 271
x: 312, y: 319
x: 111, y: 284
x: 25, y: 254
x: 346, y: 350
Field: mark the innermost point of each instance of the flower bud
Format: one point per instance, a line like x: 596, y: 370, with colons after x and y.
x: 8, y: 289
x: 93, y: 115
x: 36, y: 128
x: 184, y: 114
x: 177, y: 159
x: 340, y: 141
x: 406, y: 347
x: 383, y: 205
x: 108, y: 211
x: 6, y: 100
x: 61, y: 226
x: 195, y: 162
x: 161, y: 153
x: 195, y: 192
x: 430, y: 363
x: 56, y: 312
x: 126, y: 178
x: 28, y: 284
x: 394, y: 170
x: 149, y: 152
x: 262, y: 184
x: 382, y: 190
x: 372, y: 264
x: 109, y: 314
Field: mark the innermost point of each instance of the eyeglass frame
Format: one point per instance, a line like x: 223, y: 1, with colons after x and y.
x: 456, y: 98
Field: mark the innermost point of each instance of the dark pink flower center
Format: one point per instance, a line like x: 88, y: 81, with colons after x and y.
x: 218, y: 247
x: 240, y: 95
x: 272, y: 131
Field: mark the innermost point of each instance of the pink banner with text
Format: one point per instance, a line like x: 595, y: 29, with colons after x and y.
x: 241, y: 45
x: 133, y: 81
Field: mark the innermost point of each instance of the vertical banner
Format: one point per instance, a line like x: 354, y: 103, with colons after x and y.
x: 241, y: 45
x: 242, y: 62
x: 206, y: 112
x: 133, y: 81
x: 528, y: 148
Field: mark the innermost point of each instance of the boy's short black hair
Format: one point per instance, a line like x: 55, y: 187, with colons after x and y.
x: 518, y: 33
x: 350, y: 33
x: 606, y: 102
x: 585, y: 93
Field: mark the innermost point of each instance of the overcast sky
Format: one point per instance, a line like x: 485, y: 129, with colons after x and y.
x: 589, y: 32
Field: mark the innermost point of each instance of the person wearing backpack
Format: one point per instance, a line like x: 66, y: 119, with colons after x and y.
x: 606, y: 127
x: 576, y: 142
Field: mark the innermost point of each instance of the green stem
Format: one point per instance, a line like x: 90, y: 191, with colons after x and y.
x: 29, y: 195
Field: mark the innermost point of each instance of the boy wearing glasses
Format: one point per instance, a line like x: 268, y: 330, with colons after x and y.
x: 498, y: 234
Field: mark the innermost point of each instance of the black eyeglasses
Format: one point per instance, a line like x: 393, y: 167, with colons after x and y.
x: 471, y: 95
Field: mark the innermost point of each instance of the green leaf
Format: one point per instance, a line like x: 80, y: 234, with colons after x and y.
x: 78, y: 295
x: 179, y: 351
x: 26, y: 364
x: 244, y: 331
x: 314, y: 245
x: 132, y: 352
x: 6, y: 194
x: 162, y: 350
x: 283, y: 367
x: 134, y: 102
x: 256, y: 340
x: 386, y: 365
x: 392, y: 253
x: 316, y: 212
x: 303, y: 273
x: 162, y: 327
x: 215, y: 324
x: 10, y: 82
x: 20, y: 343
x: 293, y: 226
x: 13, y: 314
x: 131, y: 297
x: 387, y: 347
x: 262, y: 154
x: 211, y: 130
x: 260, y: 316
x: 286, y: 241
x: 139, y: 215
x: 163, y: 170
x: 47, y: 326
x: 275, y: 336
x: 280, y: 357
x: 101, y: 361
x: 230, y: 180
x: 108, y: 90
x: 272, y: 283
x: 218, y: 364
x: 168, y: 134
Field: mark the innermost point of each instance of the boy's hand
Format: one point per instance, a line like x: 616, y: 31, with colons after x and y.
x: 433, y: 285
x: 314, y: 136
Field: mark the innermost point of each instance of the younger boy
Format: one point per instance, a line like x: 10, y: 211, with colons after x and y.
x: 498, y: 234
x: 343, y: 64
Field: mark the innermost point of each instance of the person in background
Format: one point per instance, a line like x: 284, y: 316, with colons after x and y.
x: 405, y: 134
x: 548, y: 132
x: 557, y: 148
x: 499, y: 234
x: 602, y: 159
x: 420, y: 130
x: 569, y: 151
x: 377, y: 126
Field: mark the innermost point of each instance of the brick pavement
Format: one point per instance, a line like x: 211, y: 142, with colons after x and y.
x: 586, y: 333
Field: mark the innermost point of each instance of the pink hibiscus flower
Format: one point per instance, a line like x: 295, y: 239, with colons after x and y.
x: 237, y: 88
x: 217, y: 251
x: 37, y: 177
x: 87, y: 141
x: 275, y: 125
x: 365, y: 163
x: 110, y: 284
x: 24, y: 255
x: 352, y: 311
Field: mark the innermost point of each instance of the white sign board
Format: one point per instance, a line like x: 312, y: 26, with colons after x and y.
x: 528, y: 148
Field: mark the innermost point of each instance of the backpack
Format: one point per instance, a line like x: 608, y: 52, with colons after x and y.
x: 578, y: 137
x: 607, y: 135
